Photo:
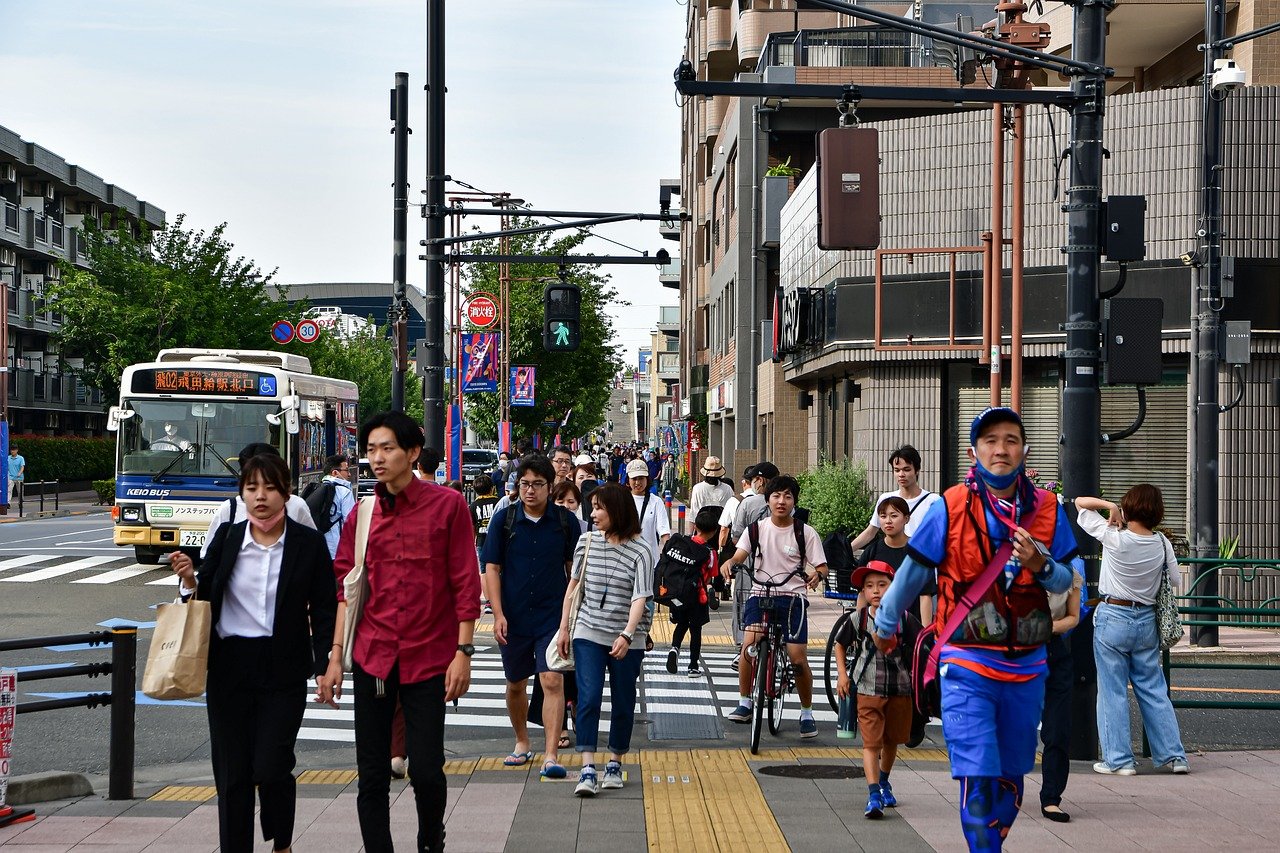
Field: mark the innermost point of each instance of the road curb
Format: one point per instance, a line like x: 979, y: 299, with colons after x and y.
x: 50, y: 785
x: 57, y: 513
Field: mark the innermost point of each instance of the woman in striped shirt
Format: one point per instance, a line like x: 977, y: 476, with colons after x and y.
x: 610, y: 629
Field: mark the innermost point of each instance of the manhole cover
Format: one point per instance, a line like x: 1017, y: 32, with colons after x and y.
x: 813, y: 771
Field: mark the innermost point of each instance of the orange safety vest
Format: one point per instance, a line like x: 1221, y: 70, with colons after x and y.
x: 1015, y: 620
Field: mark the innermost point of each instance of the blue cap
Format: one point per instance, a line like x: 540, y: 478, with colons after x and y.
x: 992, y: 415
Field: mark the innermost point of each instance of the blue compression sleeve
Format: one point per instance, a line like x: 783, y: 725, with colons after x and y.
x: 908, y: 580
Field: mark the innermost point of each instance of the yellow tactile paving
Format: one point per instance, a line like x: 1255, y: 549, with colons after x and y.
x: 705, y: 800
x: 460, y: 766
x: 326, y: 777
x: 185, y: 793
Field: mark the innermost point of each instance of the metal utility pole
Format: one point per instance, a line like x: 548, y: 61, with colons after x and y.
x: 1206, y: 323
x: 433, y: 359
x: 398, y: 316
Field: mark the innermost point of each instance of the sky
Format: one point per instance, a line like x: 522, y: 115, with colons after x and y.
x: 273, y: 116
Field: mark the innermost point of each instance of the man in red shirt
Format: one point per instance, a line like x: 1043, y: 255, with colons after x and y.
x: 413, y: 640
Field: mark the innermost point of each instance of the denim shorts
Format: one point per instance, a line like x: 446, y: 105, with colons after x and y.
x: 525, y: 656
x: 793, y: 606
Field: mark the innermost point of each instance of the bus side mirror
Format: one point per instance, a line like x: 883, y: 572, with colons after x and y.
x: 115, y: 415
x: 291, y: 421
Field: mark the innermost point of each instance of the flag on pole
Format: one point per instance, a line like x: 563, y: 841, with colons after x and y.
x: 504, y: 437
x: 453, y: 428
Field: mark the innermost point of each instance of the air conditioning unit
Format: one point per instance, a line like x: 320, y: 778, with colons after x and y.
x: 8, y: 173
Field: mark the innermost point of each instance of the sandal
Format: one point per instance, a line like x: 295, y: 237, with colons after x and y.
x: 553, y: 770
x: 517, y: 759
x: 564, y: 742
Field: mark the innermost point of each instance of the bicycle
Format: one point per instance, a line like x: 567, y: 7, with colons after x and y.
x: 848, y: 600
x: 775, y: 675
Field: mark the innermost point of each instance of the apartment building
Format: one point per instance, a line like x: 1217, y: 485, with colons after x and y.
x: 45, y: 201
x: 729, y: 251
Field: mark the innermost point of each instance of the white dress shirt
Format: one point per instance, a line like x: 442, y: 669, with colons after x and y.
x: 249, y: 605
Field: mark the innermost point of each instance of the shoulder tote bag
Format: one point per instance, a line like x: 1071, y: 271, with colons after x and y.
x: 355, y: 586
x: 556, y: 661
x: 1168, y: 620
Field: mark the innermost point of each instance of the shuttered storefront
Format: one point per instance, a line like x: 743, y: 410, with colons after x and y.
x: 1156, y: 454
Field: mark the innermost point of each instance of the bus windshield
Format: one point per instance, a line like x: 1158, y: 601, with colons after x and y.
x: 184, y: 437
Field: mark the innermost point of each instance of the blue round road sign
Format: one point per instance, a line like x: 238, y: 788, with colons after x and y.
x: 282, y: 332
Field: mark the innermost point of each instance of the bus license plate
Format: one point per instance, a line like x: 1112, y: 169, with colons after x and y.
x: 192, y: 539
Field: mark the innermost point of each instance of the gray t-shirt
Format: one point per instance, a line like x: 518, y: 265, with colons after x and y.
x: 616, y: 576
x: 752, y: 509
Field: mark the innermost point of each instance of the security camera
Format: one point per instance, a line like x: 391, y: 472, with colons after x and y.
x: 1227, y: 76
x: 684, y: 71
x: 1190, y: 259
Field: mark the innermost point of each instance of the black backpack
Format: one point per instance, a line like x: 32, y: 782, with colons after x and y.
x: 678, y: 575
x: 839, y: 559
x: 320, y: 502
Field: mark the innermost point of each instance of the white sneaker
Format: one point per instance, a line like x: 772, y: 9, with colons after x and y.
x: 1108, y: 770
x: 588, y: 784
x: 612, y: 776
x: 1180, y: 766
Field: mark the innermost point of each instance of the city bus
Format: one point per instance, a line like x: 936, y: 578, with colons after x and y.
x: 183, y: 419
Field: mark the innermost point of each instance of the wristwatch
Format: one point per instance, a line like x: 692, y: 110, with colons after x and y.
x: 467, y: 649
x: 624, y: 635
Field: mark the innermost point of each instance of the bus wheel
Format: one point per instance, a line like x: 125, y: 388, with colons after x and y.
x: 146, y: 556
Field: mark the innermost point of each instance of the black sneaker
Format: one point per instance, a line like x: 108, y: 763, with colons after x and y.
x: 673, y: 656
x: 695, y: 671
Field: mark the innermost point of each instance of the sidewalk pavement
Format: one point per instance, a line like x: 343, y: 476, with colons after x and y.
x: 69, y: 503
x: 800, y: 799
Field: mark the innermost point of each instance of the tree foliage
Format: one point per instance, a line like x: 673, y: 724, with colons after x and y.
x: 577, y: 381
x: 837, y: 496
x: 366, y: 359
x: 170, y: 288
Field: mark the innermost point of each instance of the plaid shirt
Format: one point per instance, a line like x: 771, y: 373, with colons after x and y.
x: 875, y: 673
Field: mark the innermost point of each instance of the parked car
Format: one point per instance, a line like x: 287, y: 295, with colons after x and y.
x: 366, y: 481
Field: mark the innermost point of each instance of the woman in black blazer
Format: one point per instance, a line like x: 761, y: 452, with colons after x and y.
x: 270, y: 585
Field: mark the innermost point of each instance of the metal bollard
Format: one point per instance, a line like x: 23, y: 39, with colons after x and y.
x: 124, y: 679
x: 57, y: 493
x: 680, y: 512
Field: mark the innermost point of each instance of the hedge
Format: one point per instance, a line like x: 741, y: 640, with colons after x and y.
x: 66, y: 457
x: 837, y: 497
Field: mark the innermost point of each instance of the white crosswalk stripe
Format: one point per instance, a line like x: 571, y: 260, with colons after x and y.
x: 100, y: 570
x: 483, y: 708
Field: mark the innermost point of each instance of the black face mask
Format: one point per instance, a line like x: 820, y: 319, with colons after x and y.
x: 711, y: 481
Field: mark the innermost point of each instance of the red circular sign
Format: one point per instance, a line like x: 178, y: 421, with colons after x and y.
x: 308, y: 331
x: 481, y: 310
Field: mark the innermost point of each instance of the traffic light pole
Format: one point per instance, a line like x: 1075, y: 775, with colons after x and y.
x: 399, y: 314
x: 434, y: 213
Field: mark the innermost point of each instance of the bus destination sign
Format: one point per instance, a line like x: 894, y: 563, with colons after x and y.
x: 204, y: 380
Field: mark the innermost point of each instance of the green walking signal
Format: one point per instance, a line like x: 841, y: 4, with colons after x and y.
x: 561, y: 327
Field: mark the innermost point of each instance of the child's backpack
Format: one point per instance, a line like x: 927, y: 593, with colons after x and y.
x: 677, y: 579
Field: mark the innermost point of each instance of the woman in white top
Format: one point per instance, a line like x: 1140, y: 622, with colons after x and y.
x: 1126, y: 645
x: 713, y: 490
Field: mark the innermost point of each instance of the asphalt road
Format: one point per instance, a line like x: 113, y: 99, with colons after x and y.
x: 35, y: 600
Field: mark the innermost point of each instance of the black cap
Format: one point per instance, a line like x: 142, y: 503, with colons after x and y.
x: 765, y: 469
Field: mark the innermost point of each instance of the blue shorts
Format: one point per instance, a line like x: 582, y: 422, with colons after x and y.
x: 792, y: 606
x: 990, y: 726
x: 525, y: 656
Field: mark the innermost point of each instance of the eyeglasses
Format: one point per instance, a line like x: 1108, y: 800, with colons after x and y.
x: 532, y: 487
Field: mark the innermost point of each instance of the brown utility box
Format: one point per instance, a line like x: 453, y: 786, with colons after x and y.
x: 849, y: 188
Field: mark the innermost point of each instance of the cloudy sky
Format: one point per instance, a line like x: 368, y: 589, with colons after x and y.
x: 272, y: 116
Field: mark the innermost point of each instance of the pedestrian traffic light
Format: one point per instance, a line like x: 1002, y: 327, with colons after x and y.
x: 561, y: 324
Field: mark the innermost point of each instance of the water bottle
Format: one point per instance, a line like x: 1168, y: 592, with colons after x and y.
x: 847, y: 724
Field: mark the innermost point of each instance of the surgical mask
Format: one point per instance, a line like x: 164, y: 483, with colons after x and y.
x: 997, y: 481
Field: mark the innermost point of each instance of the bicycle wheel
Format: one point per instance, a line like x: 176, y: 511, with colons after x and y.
x: 780, y: 685
x: 829, y: 671
x: 763, y: 653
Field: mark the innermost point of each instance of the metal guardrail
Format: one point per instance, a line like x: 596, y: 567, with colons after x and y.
x: 123, y: 669
x: 43, y: 484
x: 1247, y: 607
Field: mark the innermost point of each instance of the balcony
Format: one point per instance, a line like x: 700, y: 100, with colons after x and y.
x: 669, y: 320
x: 669, y: 274
x: 11, y: 217
x: 668, y: 366
x: 857, y: 47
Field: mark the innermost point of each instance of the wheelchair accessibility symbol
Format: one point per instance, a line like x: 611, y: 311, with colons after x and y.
x: 266, y: 386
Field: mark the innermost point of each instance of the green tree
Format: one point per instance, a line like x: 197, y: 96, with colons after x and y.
x: 152, y: 290
x: 364, y: 358
x: 574, y: 380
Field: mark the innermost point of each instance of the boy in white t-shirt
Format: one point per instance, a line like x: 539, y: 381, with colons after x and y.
x: 780, y: 550
x: 905, y: 462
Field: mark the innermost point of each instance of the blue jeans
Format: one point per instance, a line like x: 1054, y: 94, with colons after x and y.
x: 590, y: 660
x: 1127, y: 650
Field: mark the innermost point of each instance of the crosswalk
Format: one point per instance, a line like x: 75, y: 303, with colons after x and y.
x: 94, y: 570
x: 484, y: 707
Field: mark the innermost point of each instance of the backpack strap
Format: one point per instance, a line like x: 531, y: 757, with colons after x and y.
x: 753, y: 532
x: 799, y: 530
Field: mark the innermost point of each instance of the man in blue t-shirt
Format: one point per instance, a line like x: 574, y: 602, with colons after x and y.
x: 17, y: 473
x: 526, y: 575
x: 992, y: 666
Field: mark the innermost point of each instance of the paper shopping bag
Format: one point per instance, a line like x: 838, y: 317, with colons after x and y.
x: 178, y: 662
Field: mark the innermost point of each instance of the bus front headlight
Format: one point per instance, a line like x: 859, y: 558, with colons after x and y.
x: 131, y: 513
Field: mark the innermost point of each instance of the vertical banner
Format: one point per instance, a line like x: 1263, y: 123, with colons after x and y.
x: 523, y: 381
x: 4, y: 469
x: 453, y: 456
x: 504, y: 436
x: 479, y: 361
x: 8, y: 712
